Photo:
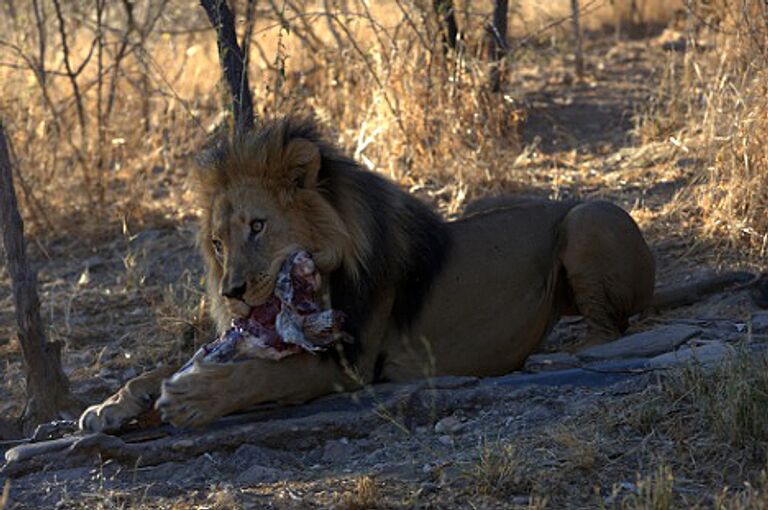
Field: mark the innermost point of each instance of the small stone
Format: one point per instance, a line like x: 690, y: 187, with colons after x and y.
x: 108, y: 353
x: 338, y: 450
x: 705, y: 354
x: 129, y: 373
x: 550, y: 361
x: 445, y: 440
x: 641, y: 345
x: 449, y: 425
x: 760, y: 322
x: 182, y: 444
x: 257, y: 473
x: 106, y: 373
x: 248, y: 454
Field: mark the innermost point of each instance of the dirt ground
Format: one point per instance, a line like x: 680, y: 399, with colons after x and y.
x: 121, y: 302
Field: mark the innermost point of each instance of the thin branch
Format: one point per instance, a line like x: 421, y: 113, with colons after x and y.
x: 578, y: 55
x: 121, y: 53
x: 447, y: 19
x: 497, y: 42
x: 100, y: 127
x: 71, y: 73
x: 42, y: 37
x: 285, y: 25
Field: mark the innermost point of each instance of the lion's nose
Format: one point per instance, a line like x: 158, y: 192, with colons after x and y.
x: 234, y: 291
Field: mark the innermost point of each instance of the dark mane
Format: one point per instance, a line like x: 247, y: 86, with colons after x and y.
x: 391, y: 240
x: 406, y: 241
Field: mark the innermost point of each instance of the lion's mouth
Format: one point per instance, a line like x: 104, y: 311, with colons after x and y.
x: 302, y: 264
x: 242, y: 310
x: 290, y: 321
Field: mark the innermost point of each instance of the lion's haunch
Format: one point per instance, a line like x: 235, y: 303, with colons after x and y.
x: 289, y: 322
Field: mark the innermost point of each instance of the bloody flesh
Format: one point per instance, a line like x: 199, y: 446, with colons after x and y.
x: 289, y: 322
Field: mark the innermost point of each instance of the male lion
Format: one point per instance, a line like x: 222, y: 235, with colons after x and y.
x: 422, y: 296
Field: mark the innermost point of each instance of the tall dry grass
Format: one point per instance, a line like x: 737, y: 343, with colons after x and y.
x: 115, y: 149
x: 713, y: 101
x: 105, y: 130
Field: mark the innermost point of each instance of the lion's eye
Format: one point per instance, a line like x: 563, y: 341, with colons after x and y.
x: 257, y: 226
x: 217, y: 246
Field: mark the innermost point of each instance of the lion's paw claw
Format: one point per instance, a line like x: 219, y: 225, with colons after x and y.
x: 104, y: 417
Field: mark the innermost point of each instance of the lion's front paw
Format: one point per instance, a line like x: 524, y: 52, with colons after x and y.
x: 192, y: 399
x: 110, y: 415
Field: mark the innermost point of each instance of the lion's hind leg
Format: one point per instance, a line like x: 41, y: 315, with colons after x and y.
x: 605, y: 320
x: 609, y: 268
x: 137, y: 396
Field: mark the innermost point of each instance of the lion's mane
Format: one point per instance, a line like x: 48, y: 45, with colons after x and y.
x: 388, y: 238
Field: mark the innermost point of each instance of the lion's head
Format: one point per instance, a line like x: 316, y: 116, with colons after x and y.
x: 262, y: 198
x: 282, y: 188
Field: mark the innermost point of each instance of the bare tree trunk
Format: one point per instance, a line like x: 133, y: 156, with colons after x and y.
x: 497, y: 42
x: 232, y: 58
x: 447, y: 17
x: 47, y: 386
x: 579, y: 56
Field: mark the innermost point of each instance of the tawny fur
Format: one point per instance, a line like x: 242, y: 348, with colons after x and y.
x: 423, y: 296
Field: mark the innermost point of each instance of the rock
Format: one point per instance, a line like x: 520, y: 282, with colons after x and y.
x: 445, y: 440
x: 550, y: 361
x: 449, y: 425
x: 248, y: 454
x: 196, y: 471
x: 261, y: 474
x: 705, y: 354
x: 641, y: 345
x: 129, y: 373
x: 760, y: 323
x: 108, y: 354
x: 182, y: 444
x: 338, y: 450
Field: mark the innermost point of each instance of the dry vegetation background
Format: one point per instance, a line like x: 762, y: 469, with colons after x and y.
x: 105, y: 114
x: 98, y: 114
x: 106, y: 102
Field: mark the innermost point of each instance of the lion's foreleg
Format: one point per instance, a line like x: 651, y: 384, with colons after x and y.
x: 210, y: 390
x: 137, y: 396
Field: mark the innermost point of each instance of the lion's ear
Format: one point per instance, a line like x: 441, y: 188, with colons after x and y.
x: 303, y: 160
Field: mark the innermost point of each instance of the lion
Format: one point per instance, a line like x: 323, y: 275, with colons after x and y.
x: 422, y: 296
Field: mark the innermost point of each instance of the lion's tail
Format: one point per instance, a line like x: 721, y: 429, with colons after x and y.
x: 692, y: 292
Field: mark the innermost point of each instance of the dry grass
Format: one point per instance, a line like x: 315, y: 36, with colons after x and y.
x: 376, y: 74
x: 499, y: 471
x: 654, y: 492
x: 5, y: 497
x: 711, y: 103
x: 731, y: 399
x: 364, y: 496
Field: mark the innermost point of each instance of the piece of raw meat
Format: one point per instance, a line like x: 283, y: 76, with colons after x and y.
x: 289, y: 322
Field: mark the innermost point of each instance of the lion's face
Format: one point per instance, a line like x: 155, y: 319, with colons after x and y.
x: 252, y: 233
x: 261, y: 203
